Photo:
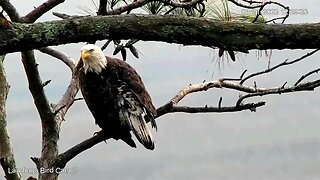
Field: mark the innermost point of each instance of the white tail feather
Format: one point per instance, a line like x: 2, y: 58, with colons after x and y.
x: 132, y: 114
x: 139, y: 127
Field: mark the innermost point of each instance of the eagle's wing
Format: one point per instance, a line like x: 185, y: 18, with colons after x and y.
x: 133, y: 80
x: 131, y: 77
x: 134, y: 102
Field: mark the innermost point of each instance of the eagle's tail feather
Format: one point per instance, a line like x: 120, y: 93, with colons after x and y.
x: 139, y: 127
x: 129, y: 141
x: 132, y: 114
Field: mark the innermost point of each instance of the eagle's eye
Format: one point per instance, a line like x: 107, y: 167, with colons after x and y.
x: 91, y: 50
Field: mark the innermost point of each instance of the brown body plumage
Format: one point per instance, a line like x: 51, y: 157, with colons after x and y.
x: 116, y: 96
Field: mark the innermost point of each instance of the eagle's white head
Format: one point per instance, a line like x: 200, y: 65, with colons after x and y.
x: 93, y: 58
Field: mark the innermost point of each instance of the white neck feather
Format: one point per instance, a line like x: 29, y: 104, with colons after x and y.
x: 95, y: 63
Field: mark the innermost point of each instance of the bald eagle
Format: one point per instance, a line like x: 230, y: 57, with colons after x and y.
x: 116, y: 97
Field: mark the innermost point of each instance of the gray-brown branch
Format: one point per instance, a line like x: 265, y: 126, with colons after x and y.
x: 59, y: 55
x: 209, y: 109
x: 40, y: 10
x: 171, y: 29
x: 170, y: 107
x: 307, y: 86
x: 284, y: 63
x: 7, y: 160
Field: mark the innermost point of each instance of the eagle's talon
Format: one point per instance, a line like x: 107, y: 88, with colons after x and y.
x: 95, y: 133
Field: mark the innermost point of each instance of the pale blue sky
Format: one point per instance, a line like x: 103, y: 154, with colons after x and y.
x: 280, y: 141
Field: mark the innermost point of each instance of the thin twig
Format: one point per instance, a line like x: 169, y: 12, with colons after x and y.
x: 308, y: 86
x: 263, y: 5
x: 306, y: 75
x: 219, y: 104
x: 244, y: 5
x: 62, y: 15
x: 284, y: 63
x: 181, y: 4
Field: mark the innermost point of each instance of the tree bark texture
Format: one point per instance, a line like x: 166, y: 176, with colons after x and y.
x: 50, y: 129
x: 170, y: 29
x: 6, y: 154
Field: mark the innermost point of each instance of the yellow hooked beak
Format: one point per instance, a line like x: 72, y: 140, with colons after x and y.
x: 85, y: 54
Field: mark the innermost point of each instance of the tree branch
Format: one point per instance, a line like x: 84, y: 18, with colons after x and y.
x: 50, y: 129
x: 307, y: 86
x: 39, y: 11
x: 102, y: 7
x: 206, y: 109
x: 171, y: 29
x: 305, y: 76
x: 182, y: 4
x: 59, y: 55
x: 170, y: 107
x: 246, y: 6
x: 65, y: 157
x: 10, y: 10
x: 68, y: 97
x: 284, y: 63
x: 128, y: 7
x: 7, y: 161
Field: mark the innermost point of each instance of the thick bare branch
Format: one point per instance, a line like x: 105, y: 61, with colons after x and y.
x: 102, y: 7
x: 128, y: 7
x: 68, y: 97
x: 65, y: 157
x: 7, y: 160
x: 40, y: 10
x: 209, y: 109
x: 10, y: 10
x: 36, y: 88
x: 50, y: 129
